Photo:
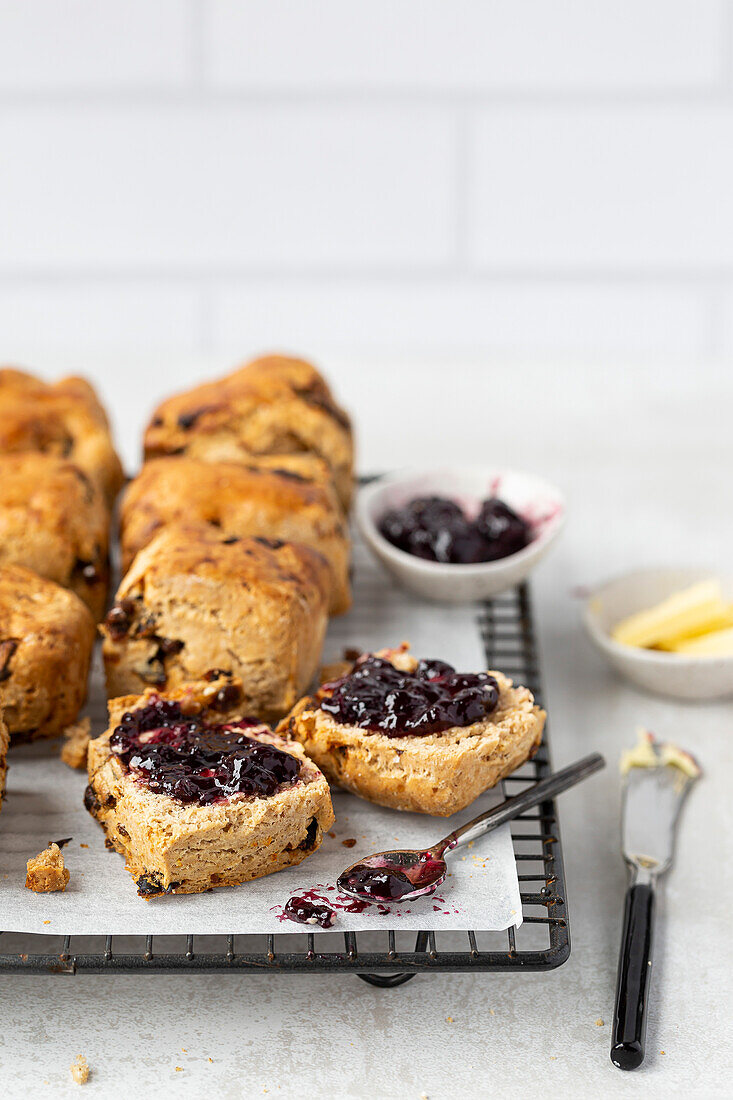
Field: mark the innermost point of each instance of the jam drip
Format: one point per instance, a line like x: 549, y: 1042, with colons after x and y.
x: 307, y: 912
x: 184, y: 757
x: 379, y: 697
x: 439, y: 530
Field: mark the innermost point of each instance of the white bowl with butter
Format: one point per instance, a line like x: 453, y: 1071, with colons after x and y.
x: 679, y: 675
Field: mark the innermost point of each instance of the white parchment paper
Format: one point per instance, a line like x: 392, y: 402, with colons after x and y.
x: 44, y: 803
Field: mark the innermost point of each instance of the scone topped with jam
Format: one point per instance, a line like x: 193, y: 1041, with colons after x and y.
x: 415, y: 734
x: 194, y: 795
x: 273, y: 405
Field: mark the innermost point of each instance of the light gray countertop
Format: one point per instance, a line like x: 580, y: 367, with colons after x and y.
x: 645, y: 459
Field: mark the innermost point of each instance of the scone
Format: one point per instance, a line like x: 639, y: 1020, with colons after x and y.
x: 54, y: 520
x: 196, y: 600
x: 46, y: 640
x: 65, y: 419
x: 274, y: 405
x: 194, y: 796
x: 4, y: 742
x: 416, y: 735
x: 237, y: 500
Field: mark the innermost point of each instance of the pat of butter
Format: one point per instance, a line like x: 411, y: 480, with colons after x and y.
x: 650, y: 753
x: 681, y: 614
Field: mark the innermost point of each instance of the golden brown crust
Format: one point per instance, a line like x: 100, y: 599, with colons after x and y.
x: 237, y: 500
x: 54, y: 520
x: 199, y: 601
x: 46, y: 873
x: 65, y: 419
x: 273, y: 405
x: 437, y: 774
x: 46, y: 639
x: 183, y: 848
x: 76, y: 744
x: 4, y: 742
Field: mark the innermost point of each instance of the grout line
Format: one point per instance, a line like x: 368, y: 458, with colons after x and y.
x: 197, y: 22
x: 462, y: 187
x: 653, y: 277
x: 726, y: 45
x: 204, y: 94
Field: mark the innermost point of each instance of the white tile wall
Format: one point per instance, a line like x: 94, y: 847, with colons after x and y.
x: 475, y: 178
x: 471, y: 45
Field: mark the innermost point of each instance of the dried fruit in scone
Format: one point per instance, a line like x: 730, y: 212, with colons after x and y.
x: 238, y: 500
x: 46, y: 640
x: 4, y: 742
x: 416, y: 735
x: 274, y: 405
x: 194, y: 795
x: 46, y: 873
x: 54, y: 520
x: 65, y: 419
x: 195, y: 600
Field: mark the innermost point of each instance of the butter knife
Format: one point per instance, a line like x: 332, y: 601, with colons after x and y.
x: 657, y: 777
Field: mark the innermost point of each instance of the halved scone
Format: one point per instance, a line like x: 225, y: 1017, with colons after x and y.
x: 416, y: 735
x: 194, y: 795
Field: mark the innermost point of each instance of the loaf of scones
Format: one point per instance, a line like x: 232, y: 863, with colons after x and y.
x: 195, y: 796
x: 195, y: 599
x: 4, y: 742
x: 46, y: 640
x: 274, y: 405
x: 54, y: 520
x: 65, y: 419
x: 241, y: 500
x: 416, y: 735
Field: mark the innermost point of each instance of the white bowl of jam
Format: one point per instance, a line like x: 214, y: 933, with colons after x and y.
x: 459, y: 534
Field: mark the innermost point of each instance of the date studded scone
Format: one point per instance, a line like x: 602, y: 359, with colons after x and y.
x: 238, y: 500
x: 46, y: 640
x: 273, y: 405
x: 194, y: 795
x: 54, y: 520
x: 416, y: 735
x: 65, y: 419
x: 4, y: 742
x: 195, y: 600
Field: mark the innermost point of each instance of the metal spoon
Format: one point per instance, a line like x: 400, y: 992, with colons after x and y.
x: 407, y: 874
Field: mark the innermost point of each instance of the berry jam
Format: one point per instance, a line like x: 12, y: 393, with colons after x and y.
x: 379, y: 697
x: 379, y: 883
x: 307, y: 912
x: 439, y: 530
x: 184, y: 757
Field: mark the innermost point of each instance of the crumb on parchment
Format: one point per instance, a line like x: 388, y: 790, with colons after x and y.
x: 46, y: 872
x: 600, y: 1022
x: 76, y: 743
x: 80, y: 1069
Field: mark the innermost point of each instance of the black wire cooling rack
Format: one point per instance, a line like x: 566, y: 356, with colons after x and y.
x: 384, y: 958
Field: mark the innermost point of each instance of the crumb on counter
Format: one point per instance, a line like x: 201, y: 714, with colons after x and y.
x: 76, y: 743
x: 600, y: 1022
x: 46, y: 872
x: 80, y: 1069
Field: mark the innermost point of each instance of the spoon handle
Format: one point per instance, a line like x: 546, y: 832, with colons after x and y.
x: 512, y: 807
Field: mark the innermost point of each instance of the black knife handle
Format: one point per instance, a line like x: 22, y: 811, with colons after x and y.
x: 634, y: 978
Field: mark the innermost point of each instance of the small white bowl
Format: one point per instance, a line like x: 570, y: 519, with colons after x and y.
x: 534, y: 499
x: 673, y: 674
